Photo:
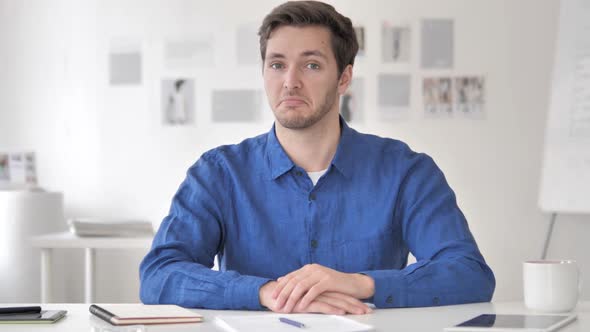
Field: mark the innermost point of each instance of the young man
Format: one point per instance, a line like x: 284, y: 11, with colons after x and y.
x: 313, y: 216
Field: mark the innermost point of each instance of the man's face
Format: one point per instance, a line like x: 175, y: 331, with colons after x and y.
x: 301, y: 75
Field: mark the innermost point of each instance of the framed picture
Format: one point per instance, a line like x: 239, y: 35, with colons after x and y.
x: 17, y: 170
x: 178, y: 101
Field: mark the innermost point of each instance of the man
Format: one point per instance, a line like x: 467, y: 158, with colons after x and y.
x: 313, y: 216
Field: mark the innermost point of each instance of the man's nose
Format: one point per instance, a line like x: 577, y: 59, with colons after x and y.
x: 292, y: 79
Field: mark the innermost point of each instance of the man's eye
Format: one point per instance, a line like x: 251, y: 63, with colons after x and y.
x: 276, y: 65
x: 313, y: 66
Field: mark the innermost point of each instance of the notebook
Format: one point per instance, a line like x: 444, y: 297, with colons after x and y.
x: 129, y: 314
x: 44, y: 317
x: 271, y: 322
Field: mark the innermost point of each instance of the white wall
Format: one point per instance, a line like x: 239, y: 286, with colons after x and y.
x: 105, y: 149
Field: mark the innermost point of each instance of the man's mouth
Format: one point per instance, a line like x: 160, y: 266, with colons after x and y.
x: 292, y: 101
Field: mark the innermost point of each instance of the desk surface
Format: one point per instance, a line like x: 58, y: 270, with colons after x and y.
x: 415, y: 319
x: 69, y: 240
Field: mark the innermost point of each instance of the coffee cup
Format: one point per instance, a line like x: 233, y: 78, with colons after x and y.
x: 551, y: 285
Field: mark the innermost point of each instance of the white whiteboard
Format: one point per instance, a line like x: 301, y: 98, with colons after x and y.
x: 565, y: 176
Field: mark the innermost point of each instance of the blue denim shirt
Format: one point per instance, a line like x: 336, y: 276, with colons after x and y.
x: 260, y: 213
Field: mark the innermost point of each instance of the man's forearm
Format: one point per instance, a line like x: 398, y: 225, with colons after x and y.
x: 193, y: 285
x: 426, y: 283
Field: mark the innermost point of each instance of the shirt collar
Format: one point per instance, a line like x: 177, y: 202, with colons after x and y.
x: 344, y: 158
x: 280, y: 163
x: 278, y: 160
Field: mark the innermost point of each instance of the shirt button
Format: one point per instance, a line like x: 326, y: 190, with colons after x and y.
x: 436, y: 300
x: 314, y: 244
x: 299, y: 173
x: 312, y: 197
x: 389, y: 299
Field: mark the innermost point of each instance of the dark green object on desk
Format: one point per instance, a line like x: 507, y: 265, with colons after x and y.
x: 43, y: 317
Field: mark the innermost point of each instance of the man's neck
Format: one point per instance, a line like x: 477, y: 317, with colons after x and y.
x: 312, y: 148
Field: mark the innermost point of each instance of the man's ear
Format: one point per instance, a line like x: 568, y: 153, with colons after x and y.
x: 345, y: 79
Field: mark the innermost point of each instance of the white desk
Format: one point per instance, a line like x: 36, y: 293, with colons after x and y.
x: 402, y: 320
x: 89, y: 244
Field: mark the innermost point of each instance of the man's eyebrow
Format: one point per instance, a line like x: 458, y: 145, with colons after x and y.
x: 314, y: 53
x: 304, y: 53
x: 275, y: 56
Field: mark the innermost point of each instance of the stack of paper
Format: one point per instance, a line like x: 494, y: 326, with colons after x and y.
x: 100, y: 227
x: 272, y: 322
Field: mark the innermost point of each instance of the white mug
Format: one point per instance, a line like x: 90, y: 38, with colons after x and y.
x: 551, y: 285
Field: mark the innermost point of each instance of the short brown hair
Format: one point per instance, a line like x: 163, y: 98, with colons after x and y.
x: 304, y: 13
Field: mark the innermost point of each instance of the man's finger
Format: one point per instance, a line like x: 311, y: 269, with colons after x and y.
x: 341, y: 304
x: 350, y: 299
x: 281, y: 282
x: 323, y: 308
x: 313, y: 292
x: 340, y: 301
x: 298, y: 292
x: 286, y: 292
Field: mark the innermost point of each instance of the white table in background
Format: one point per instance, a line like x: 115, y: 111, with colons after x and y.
x: 403, y: 320
x: 49, y: 242
x: 24, y: 214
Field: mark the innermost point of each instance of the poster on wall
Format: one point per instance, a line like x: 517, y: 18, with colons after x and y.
x: 125, y: 67
x: 4, y: 170
x: 17, y: 170
x: 393, y: 95
x: 395, y: 43
x: 437, y: 44
x: 469, y: 96
x: 182, y: 53
x: 352, y: 101
x: 359, y: 31
x: 236, y: 105
x: 178, y: 101
x: 437, y: 96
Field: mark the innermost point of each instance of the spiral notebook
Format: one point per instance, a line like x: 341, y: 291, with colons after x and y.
x: 271, y: 322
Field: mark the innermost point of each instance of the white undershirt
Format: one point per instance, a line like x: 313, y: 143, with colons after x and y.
x: 315, y: 176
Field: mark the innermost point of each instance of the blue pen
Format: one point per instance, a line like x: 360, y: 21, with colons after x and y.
x: 292, y: 322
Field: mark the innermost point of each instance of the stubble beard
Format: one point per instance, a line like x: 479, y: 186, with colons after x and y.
x: 296, y: 120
